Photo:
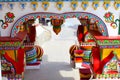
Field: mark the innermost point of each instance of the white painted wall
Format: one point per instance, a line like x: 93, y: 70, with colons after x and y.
x: 66, y: 8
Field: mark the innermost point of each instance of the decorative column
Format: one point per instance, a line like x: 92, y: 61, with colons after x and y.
x: 57, y: 25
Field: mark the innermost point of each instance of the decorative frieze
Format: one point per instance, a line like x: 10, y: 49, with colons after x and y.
x: 84, y: 4
x: 9, y: 45
x: 100, y: 23
x: 108, y: 42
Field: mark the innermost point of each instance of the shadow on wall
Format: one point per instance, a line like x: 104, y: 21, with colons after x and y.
x: 49, y: 71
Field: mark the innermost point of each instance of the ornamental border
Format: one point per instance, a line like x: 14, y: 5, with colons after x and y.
x: 45, y: 0
x: 112, y: 46
x: 108, y: 42
x: 101, y: 25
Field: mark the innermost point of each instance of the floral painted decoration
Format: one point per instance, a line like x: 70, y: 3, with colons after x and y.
x: 109, y: 17
x: 96, y: 19
x: 115, y: 24
x: 9, y: 18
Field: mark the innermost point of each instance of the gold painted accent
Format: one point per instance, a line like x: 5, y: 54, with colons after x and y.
x: 59, y: 3
x: 115, y: 4
x: 11, y: 54
x: 105, y: 3
x: 109, y: 21
x: 34, y: 3
x: 74, y: 3
x: 84, y: 3
x: 45, y: 5
x: 94, y: 3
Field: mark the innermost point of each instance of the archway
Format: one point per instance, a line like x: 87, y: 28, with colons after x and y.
x: 101, y: 25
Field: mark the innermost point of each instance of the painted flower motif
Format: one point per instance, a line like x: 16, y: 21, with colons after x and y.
x: 10, y: 15
x: 109, y: 17
x: 108, y: 14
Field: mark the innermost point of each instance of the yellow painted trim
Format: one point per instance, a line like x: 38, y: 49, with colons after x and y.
x: 43, y: 3
x: 104, y: 4
x: 72, y: 3
x: 105, y: 52
x: 93, y: 5
x: 60, y: 2
x: 83, y: 3
x: 115, y: 3
x: 36, y: 3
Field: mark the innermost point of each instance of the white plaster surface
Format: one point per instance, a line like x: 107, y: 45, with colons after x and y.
x: 66, y: 8
x: 56, y: 63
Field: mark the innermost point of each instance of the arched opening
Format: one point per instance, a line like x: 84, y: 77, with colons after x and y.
x: 93, y: 18
x: 57, y: 48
